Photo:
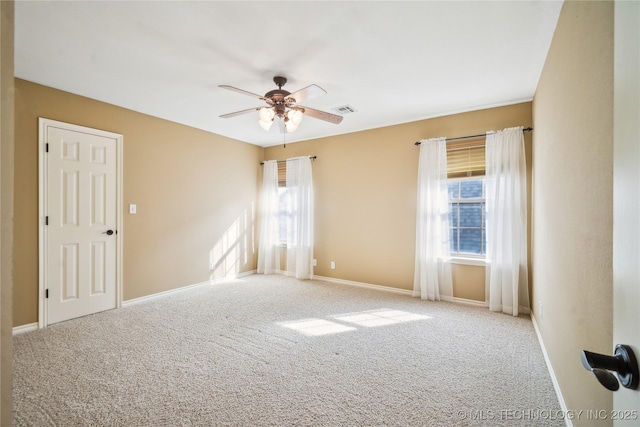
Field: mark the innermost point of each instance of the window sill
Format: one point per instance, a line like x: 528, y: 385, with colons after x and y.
x: 481, y: 262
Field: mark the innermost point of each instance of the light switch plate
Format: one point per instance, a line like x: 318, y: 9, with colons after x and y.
x: 133, y: 209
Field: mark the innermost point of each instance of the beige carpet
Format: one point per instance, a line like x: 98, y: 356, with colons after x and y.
x: 274, y: 351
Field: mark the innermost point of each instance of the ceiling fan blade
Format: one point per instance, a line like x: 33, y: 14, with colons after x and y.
x: 311, y: 91
x: 322, y: 115
x: 238, y: 113
x: 235, y: 89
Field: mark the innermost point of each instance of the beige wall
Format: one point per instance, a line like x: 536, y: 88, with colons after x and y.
x: 6, y: 208
x: 468, y: 281
x: 572, y: 179
x: 196, y: 195
x: 365, y: 194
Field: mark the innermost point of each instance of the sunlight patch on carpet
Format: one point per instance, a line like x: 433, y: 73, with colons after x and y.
x: 367, y: 319
x: 380, y: 317
x: 316, y: 327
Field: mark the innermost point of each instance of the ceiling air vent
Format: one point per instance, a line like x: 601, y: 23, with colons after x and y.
x: 344, y: 109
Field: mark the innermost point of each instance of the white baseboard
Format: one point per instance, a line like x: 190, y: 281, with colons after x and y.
x: 184, y: 288
x: 395, y: 290
x: 25, y: 328
x: 554, y: 379
x: 245, y: 274
x: 364, y: 285
x: 469, y: 302
x: 164, y: 293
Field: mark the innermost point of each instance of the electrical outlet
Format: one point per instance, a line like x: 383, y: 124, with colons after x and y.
x: 315, y: 262
x: 333, y: 265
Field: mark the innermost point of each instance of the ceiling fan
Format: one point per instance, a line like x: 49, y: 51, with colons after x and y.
x: 284, y: 105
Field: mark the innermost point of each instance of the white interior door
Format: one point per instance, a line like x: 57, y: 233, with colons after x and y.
x: 626, y: 191
x: 80, y: 192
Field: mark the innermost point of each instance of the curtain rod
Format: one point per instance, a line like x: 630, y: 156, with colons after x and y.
x: 529, y: 129
x: 282, y: 161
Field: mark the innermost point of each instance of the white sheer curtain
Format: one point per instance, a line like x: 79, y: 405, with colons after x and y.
x: 300, y: 218
x: 432, y: 278
x: 507, y: 287
x: 268, y: 250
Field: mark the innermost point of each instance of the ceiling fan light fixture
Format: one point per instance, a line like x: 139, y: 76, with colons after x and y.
x: 295, y: 116
x: 266, y: 125
x: 291, y: 126
x: 266, y: 114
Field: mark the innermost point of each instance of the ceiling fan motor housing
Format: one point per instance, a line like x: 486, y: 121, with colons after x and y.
x: 278, y: 96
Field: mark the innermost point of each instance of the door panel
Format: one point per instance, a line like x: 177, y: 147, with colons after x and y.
x: 81, y: 206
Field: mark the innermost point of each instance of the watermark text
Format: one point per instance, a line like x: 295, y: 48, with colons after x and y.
x: 546, y: 415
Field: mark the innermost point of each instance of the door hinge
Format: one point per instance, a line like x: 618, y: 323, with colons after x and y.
x: 46, y: 293
x: 46, y: 148
x: 46, y: 220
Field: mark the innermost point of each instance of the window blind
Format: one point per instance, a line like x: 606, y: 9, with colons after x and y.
x: 282, y: 174
x: 465, y: 158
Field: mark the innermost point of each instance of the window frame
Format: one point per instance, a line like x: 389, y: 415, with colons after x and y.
x: 465, y: 257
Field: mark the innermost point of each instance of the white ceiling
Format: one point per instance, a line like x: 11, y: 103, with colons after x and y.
x: 393, y: 61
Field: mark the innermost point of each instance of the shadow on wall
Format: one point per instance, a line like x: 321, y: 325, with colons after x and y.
x: 233, y: 252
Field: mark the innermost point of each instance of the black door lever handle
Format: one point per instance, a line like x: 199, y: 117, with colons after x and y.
x: 623, y: 363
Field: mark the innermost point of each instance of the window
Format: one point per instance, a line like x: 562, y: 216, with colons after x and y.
x: 467, y: 220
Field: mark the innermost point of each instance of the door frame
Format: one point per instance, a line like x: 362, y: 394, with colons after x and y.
x: 43, y: 124
x: 626, y: 201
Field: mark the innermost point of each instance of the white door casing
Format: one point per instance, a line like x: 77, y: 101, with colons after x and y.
x: 626, y: 199
x: 80, y: 201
